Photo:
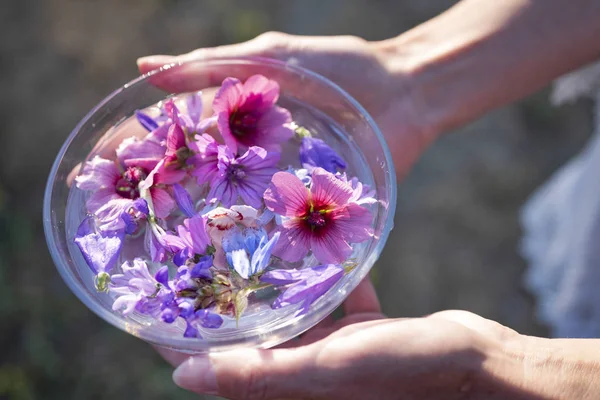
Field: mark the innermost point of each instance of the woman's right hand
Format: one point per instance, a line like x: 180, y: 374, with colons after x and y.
x: 378, y: 79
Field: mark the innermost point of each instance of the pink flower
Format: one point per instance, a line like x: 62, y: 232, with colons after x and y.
x: 247, y: 114
x: 247, y: 176
x: 322, y: 219
x: 115, y: 188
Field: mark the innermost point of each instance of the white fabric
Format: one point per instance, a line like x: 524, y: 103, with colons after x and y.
x: 561, y: 223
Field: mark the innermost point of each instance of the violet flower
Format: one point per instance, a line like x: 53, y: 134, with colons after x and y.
x: 100, y: 249
x: 184, y: 200
x: 115, y: 186
x: 316, y: 153
x: 191, y: 239
x: 205, y: 161
x: 320, y: 219
x: 247, y: 176
x: 146, y: 121
x: 137, y: 289
x: 191, y: 120
x: 201, y: 318
x: 247, y: 115
x: 249, y: 252
x: 303, y: 286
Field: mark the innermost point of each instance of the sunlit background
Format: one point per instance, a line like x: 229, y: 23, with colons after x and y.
x: 455, y: 244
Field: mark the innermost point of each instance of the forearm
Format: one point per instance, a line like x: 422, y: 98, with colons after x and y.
x: 482, y: 54
x: 530, y: 368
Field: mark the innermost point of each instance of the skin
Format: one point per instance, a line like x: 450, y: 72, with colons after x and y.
x: 477, y: 56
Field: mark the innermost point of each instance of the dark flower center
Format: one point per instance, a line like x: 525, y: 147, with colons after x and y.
x: 243, y: 123
x: 127, y: 184
x: 316, y: 219
x: 236, y: 173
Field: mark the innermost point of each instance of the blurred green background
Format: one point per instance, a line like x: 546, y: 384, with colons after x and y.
x: 455, y: 244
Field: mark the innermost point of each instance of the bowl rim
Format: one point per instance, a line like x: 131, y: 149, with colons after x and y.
x: 185, y: 344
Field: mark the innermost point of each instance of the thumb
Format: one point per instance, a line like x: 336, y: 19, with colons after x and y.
x: 253, y: 374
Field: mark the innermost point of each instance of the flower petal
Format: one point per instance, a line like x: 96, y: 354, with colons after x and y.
x: 327, y: 190
x: 267, y: 88
x: 293, y: 243
x: 99, y: 249
x: 146, y: 121
x: 354, y: 222
x: 162, y: 201
x: 184, y: 200
x: 330, y: 247
x: 97, y: 173
x: 286, y: 195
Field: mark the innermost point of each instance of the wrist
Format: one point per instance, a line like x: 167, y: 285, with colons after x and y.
x: 537, y: 368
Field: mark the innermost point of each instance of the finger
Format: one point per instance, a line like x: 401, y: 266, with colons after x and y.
x: 253, y: 374
x: 363, y: 299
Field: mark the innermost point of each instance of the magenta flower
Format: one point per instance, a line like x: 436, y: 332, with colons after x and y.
x: 321, y: 219
x: 247, y: 115
x: 247, y: 176
x: 114, y: 188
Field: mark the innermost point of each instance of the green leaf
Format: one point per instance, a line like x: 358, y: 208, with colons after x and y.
x: 302, y: 132
x: 240, y: 303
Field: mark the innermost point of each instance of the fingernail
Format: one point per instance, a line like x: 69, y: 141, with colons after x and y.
x: 196, y: 374
x: 157, y: 60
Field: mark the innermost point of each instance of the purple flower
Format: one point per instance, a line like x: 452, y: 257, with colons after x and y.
x: 205, y: 161
x: 100, y: 249
x: 191, y: 120
x: 186, y: 275
x: 137, y: 289
x: 248, y: 252
x: 316, y: 153
x: 184, y: 200
x: 155, y: 242
x: 135, y: 213
x: 115, y: 186
x: 247, y: 176
x: 303, y: 286
x: 146, y: 121
x: 247, y: 115
x: 201, y: 318
x: 362, y: 194
x: 320, y: 219
x: 191, y: 239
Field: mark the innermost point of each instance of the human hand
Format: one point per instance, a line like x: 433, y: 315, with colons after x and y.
x: 381, y: 83
x: 361, y: 356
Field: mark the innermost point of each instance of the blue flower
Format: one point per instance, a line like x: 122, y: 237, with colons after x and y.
x: 303, y: 285
x: 316, y: 153
x: 201, y: 318
x: 248, y: 252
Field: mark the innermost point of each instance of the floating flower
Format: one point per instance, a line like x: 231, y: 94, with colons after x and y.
x: 100, y: 249
x: 249, y: 251
x: 191, y: 120
x: 320, y: 219
x: 137, y: 289
x: 247, y: 176
x: 115, y: 186
x: 247, y: 115
x: 191, y: 239
x: 206, y: 160
x: 303, y: 285
x: 316, y: 153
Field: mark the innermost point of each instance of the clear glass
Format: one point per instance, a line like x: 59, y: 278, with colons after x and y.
x: 314, y: 101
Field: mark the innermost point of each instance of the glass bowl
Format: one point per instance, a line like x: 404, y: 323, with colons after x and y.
x: 314, y: 102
